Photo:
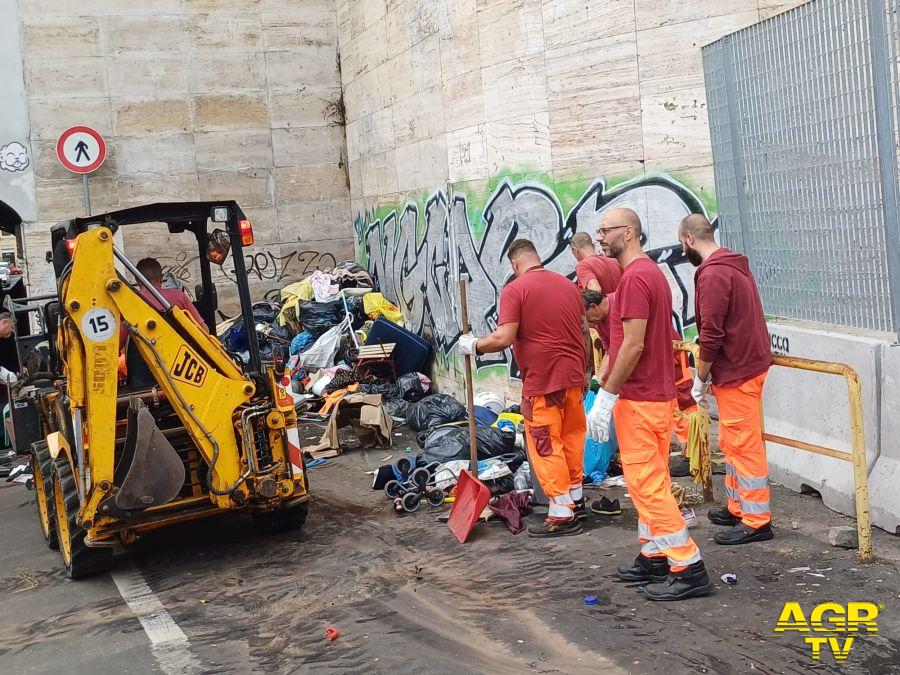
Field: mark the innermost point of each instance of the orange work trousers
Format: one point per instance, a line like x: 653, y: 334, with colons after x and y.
x: 644, y: 429
x: 556, y: 428
x: 740, y: 436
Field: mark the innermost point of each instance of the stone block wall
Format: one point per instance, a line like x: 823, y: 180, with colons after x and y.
x: 197, y: 99
x: 472, y: 122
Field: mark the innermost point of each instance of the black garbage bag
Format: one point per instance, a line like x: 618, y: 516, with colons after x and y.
x: 386, y: 389
x: 396, y: 407
x: 411, y: 387
x: 355, y: 307
x: 434, y: 410
x: 317, y: 317
x: 446, y: 443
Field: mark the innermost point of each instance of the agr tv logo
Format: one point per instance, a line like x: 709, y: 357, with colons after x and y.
x: 840, y: 623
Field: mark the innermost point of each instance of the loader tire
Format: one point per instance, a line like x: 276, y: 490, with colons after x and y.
x: 79, y: 559
x: 41, y: 464
x: 291, y: 518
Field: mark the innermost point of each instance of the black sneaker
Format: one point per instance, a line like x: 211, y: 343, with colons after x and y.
x: 605, y: 507
x: 722, y: 516
x: 744, y: 534
x: 654, y: 570
x: 580, y: 511
x: 680, y: 467
x: 691, y: 582
x: 555, y: 527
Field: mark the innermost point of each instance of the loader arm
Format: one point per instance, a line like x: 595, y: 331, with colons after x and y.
x: 200, y: 380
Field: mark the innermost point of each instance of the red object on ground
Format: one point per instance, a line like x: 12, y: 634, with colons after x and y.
x: 471, y: 497
x: 332, y: 634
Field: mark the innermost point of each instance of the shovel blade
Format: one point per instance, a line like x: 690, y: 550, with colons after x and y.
x: 156, y: 474
x: 471, y: 497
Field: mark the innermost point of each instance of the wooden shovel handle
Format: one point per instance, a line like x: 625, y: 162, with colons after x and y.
x: 470, y: 395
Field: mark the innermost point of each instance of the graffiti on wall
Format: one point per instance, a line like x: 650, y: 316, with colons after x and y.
x: 418, y: 258
x: 13, y: 157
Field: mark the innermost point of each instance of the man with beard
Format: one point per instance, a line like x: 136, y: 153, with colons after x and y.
x: 640, y: 394
x: 735, y: 357
x: 542, y: 317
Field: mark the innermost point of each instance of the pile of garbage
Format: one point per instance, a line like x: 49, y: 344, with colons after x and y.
x: 442, y: 427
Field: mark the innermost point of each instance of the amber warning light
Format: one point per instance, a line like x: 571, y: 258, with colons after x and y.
x: 246, y: 228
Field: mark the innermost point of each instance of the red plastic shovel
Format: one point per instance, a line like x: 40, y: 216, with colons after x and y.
x: 471, y: 494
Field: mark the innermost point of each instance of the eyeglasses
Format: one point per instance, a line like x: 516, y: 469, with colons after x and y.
x: 603, y: 231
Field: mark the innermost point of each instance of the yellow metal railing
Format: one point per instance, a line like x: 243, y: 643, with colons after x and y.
x: 857, y: 454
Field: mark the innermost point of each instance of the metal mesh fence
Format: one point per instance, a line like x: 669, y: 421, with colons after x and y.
x: 806, y: 185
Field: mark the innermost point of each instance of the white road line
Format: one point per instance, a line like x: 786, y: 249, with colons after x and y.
x: 169, y: 643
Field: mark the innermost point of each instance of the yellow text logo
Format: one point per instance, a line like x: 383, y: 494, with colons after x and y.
x: 830, y: 626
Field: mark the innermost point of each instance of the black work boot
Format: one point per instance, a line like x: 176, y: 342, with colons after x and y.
x: 691, y: 582
x: 645, y: 569
x: 555, y: 527
x: 744, y: 534
x: 606, y: 507
x: 680, y: 467
x: 722, y: 516
x: 580, y: 510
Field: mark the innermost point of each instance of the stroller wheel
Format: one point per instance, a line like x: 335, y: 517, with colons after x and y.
x: 404, y: 466
x: 435, y: 497
x: 392, y: 489
x: 411, y: 501
x: 420, y: 477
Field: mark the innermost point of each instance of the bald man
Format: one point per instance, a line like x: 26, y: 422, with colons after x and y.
x: 542, y: 317
x: 639, y: 393
x: 735, y: 356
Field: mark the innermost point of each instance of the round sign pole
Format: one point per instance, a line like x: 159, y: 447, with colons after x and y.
x: 81, y: 150
x: 87, y: 194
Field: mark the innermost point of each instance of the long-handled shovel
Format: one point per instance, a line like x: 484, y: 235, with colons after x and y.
x: 471, y: 494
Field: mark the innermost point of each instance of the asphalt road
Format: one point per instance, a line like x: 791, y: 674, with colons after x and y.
x: 216, y: 596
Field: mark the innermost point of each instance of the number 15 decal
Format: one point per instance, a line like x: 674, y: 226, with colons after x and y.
x: 98, y: 324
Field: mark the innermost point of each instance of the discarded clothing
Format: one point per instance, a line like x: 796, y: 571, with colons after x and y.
x: 511, y: 507
x: 697, y: 448
x: 300, y: 342
x: 324, y: 288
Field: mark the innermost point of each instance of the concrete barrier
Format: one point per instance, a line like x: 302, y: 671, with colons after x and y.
x: 884, y: 480
x: 812, y: 407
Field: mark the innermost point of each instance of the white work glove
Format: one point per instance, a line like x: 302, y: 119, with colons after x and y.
x: 7, y: 376
x: 700, y: 390
x: 466, y: 344
x: 600, y: 414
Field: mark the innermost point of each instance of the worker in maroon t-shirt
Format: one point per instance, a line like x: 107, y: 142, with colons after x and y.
x: 542, y: 318
x: 735, y: 356
x: 640, y: 393
x: 593, y: 272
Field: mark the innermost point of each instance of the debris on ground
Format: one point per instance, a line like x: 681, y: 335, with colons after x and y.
x: 843, y: 536
x: 332, y: 634
x: 729, y: 579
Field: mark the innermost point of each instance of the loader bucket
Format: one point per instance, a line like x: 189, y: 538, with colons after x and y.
x: 156, y: 474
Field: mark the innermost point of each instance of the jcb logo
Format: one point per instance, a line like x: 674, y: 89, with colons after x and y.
x: 188, y: 368
x: 832, y: 618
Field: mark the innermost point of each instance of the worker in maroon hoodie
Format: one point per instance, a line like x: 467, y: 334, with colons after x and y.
x: 735, y: 358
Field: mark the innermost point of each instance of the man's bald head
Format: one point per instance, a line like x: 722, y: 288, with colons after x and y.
x: 697, y: 238
x: 620, y: 234
x: 697, y: 226
x: 582, y: 245
x: 623, y: 217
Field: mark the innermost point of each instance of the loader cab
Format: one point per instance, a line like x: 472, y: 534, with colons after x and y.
x: 217, y: 229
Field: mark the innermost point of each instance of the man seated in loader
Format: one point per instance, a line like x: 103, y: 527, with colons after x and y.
x: 152, y: 270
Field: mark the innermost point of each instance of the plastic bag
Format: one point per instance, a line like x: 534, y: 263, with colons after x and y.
x: 522, y: 478
x: 434, y: 410
x: 318, y: 317
x: 321, y: 354
x: 411, y: 387
x: 447, y: 474
x: 396, y: 407
x: 323, y: 286
x: 597, y: 455
x: 447, y: 443
x: 375, y: 305
x: 488, y: 399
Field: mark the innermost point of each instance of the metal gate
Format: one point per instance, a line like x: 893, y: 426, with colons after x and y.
x: 804, y: 114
